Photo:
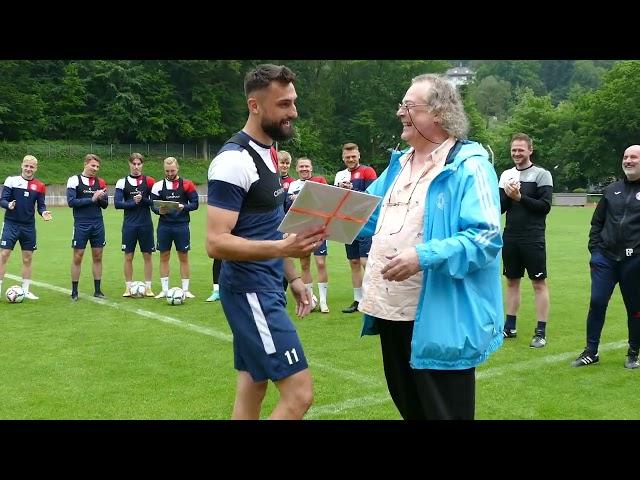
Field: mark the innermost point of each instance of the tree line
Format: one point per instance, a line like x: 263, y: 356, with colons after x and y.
x: 581, y: 114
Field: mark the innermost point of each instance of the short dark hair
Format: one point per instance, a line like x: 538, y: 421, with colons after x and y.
x: 135, y: 155
x: 261, y: 77
x: 350, y: 146
x: 523, y: 137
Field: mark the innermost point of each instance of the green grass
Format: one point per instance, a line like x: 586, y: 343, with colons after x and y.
x: 144, y: 359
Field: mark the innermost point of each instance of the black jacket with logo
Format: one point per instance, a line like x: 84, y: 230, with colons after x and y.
x: 615, y: 226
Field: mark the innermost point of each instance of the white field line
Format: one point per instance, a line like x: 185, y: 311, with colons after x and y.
x: 491, y: 372
x: 366, y: 380
x: 339, y: 407
x: 223, y: 336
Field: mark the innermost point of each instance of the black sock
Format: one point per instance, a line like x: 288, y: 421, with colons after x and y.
x: 96, y: 285
x: 541, y: 328
x: 510, y: 323
x: 74, y: 288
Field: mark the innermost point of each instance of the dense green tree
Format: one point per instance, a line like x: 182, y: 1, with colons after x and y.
x: 519, y: 73
x: 492, y: 96
x: 608, y: 120
x: 21, y: 106
x: 67, y: 107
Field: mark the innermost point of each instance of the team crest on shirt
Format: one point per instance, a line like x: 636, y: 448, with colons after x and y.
x: 638, y: 196
x: 33, y: 186
x: 356, y: 175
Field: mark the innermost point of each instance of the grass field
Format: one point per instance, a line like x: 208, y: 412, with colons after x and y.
x: 143, y: 359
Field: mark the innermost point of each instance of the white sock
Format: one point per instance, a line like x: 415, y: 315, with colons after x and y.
x: 322, y: 288
x: 309, y: 289
x: 185, y: 284
x: 216, y: 287
x: 25, y: 285
x: 0, y: 286
x: 164, y: 281
x: 148, y: 284
x: 357, y: 294
x: 128, y: 285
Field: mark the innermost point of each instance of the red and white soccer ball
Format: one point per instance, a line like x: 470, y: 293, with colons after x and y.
x: 15, y: 294
x: 175, y: 296
x: 138, y: 289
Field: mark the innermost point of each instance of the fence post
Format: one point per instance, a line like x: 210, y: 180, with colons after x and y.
x: 49, y: 151
x: 196, y: 150
x: 147, y: 149
x: 183, y: 151
x: 166, y: 152
x: 129, y: 149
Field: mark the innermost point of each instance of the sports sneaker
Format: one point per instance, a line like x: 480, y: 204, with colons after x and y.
x: 30, y: 296
x: 188, y: 294
x: 509, y: 333
x: 538, y: 340
x: 127, y: 293
x: 162, y: 294
x: 214, y: 297
x: 351, y: 308
x: 149, y: 293
x: 632, y: 359
x: 585, y: 358
x: 324, y: 308
x: 74, y: 297
x: 99, y: 295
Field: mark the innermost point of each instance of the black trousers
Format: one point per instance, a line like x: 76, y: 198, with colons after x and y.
x: 216, y: 270
x: 423, y: 394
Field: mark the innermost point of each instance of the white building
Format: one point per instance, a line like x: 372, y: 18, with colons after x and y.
x: 460, y: 75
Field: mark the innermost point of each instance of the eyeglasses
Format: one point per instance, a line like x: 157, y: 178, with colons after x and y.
x: 408, y: 106
x: 406, y: 204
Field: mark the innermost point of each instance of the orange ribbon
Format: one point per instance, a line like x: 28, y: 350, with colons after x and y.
x: 330, y: 216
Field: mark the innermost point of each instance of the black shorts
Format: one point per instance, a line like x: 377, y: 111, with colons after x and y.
x: 516, y: 256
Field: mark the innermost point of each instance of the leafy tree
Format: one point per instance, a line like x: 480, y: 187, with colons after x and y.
x: 608, y: 120
x: 67, y: 108
x: 519, y: 73
x: 492, y: 96
x: 21, y: 107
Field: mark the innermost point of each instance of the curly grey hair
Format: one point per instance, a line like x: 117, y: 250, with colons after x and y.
x: 445, y: 100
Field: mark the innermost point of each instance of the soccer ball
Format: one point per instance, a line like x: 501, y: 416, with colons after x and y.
x: 314, y: 302
x: 138, y: 289
x: 175, y: 296
x: 15, y: 294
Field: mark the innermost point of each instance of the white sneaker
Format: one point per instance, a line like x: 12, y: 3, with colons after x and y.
x: 324, y: 308
x: 30, y: 296
x: 188, y: 294
x: 162, y: 294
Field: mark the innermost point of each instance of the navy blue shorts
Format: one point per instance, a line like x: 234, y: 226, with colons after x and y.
x: 265, y: 341
x: 177, y: 233
x: 322, y: 250
x: 141, y: 234
x: 13, y: 233
x: 84, y: 232
x: 358, y: 249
